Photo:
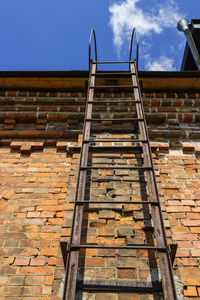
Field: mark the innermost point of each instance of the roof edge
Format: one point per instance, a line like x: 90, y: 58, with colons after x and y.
x: 85, y: 73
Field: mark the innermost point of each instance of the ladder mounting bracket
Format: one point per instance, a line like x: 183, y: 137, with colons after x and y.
x: 173, y: 249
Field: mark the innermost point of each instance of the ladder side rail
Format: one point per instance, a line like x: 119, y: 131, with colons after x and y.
x: 134, y: 33
x: 164, y: 258
x: 73, y: 255
x: 92, y: 34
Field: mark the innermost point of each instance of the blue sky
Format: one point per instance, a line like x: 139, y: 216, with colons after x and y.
x: 53, y: 35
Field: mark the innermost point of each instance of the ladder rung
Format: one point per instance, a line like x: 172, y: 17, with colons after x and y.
x: 116, y: 180
x: 116, y: 130
x: 113, y: 148
x: 112, y: 74
x: 114, y: 101
x: 119, y: 119
x: 113, y: 87
x: 144, y: 247
x: 114, y: 62
x: 120, y: 286
x: 117, y: 168
x: 116, y: 202
x: 115, y: 140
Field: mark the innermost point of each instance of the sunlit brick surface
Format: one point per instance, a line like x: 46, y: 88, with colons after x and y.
x: 40, y: 143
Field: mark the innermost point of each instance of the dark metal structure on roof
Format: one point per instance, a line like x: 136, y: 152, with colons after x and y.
x: 188, y: 62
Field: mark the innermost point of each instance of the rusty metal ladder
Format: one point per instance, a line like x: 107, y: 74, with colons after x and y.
x: 165, y: 254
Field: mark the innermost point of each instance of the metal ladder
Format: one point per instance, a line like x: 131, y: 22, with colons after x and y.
x: 165, y: 254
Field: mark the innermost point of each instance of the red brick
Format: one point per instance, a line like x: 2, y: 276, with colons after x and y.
x: 182, y: 237
x: 193, y: 280
x: 95, y: 262
x: 33, y: 214
x: 193, y: 216
x: 190, y: 223
x: 195, y: 229
x: 38, y: 270
x: 34, y: 280
x: 127, y: 273
x: 25, y: 148
x: 49, y: 280
x: 126, y: 296
x: 47, y: 214
x: 195, y: 252
x: 11, y: 290
x: 107, y: 296
x: 189, y: 261
x: 47, y: 290
x: 9, y: 194
x: 55, y: 221
x: 37, y: 145
x: 178, y: 208
x: 49, y: 251
x: 49, y: 208
x: 29, y: 252
x: 190, y: 292
x: 44, y: 235
x: 188, y: 146
x: 191, y: 271
x: 196, y: 244
x: 182, y: 253
x: 8, y: 260
x: 22, y: 261
x: 38, y: 261
x: 3, y: 280
x: 15, y: 145
x: 61, y: 145
x: 52, y: 261
x: 181, y: 229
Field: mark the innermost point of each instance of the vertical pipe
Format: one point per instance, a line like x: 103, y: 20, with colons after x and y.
x: 183, y: 25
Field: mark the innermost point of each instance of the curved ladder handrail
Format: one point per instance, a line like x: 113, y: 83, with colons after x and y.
x: 95, y: 45
x: 134, y: 33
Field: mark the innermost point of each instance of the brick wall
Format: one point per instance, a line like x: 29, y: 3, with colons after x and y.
x: 33, y: 191
x: 40, y: 143
x: 180, y: 181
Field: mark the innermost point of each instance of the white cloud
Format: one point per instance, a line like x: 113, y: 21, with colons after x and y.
x: 124, y: 16
x: 163, y: 63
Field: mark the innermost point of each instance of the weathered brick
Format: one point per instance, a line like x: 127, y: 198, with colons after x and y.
x: 33, y: 214
x: 49, y: 280
x: 95, y: 262
x: 128, y: 296
x: 9, y: 194
x: 189, y: 261
x: 3, y: 280
x: 127, y: 273
x: 29, y: 252
x: 195, y: 252
x: 108, y: 296
x: 191, y: 291
x: 190, y: 223
x: 22, y: 261
x: 38, y: 261
x: 34, y: 280
x: 45, y: 181
x: 44, y: 270
x: 193, y: 280
x: 178, y: 209
x: 108, y: 214
x: 49, y: 251
x: 47, y: 214
x: 49, y: 208
x: 52, y: 261
x: 183, y: 237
